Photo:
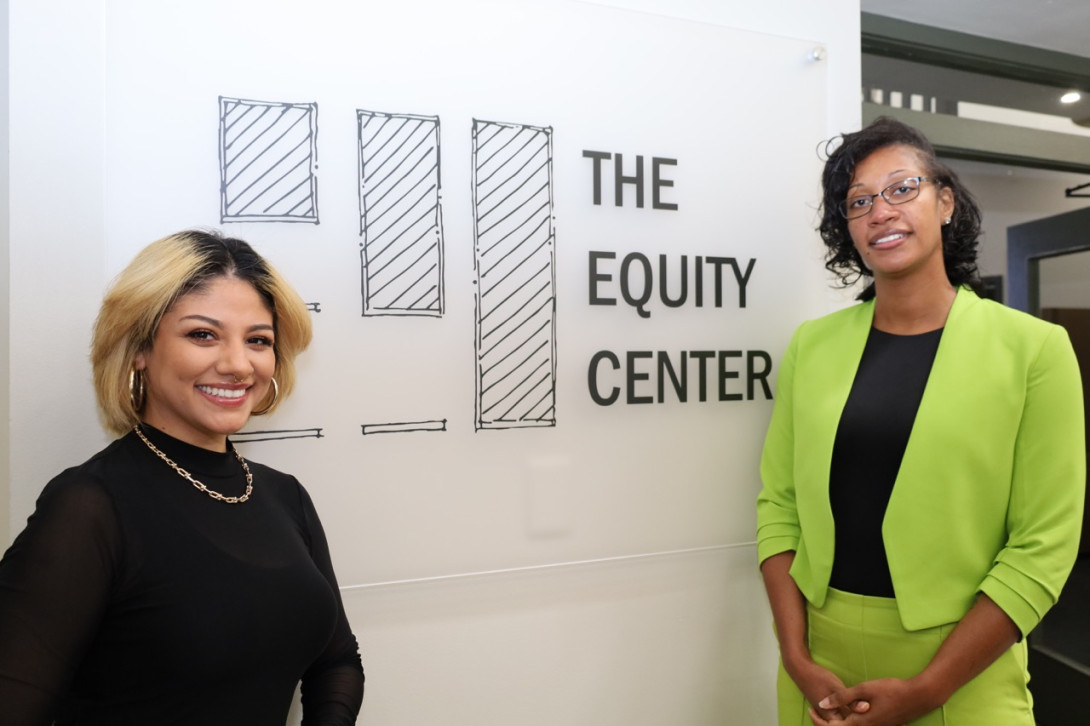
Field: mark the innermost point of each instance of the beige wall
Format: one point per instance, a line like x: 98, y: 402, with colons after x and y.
x: 1010, y: 196
x: 1065, y: 281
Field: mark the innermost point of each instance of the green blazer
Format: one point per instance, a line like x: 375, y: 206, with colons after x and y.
x: 989, y: 496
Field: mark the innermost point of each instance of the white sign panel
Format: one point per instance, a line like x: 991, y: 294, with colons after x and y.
x: 552, y: 251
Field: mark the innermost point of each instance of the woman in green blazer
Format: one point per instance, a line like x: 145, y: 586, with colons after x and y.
x: 924, y: 470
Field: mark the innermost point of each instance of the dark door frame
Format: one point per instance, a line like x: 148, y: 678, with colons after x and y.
x: 1030, y: 242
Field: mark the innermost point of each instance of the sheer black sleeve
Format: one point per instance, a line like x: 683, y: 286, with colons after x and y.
x: 332, y: 688
x: 55, y: 582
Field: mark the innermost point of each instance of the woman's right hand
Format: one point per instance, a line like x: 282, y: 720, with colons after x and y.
x: 789, y: 616
x: 816, y: 683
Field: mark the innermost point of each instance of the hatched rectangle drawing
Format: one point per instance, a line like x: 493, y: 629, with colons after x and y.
x: 268, y: 161
x: 514, y: 260
x: 401, y: 219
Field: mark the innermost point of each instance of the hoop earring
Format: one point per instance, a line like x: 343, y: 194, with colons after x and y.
x: 276, y: 394
x: 137, y: 393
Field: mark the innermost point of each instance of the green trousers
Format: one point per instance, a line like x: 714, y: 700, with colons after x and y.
x: 860, y: 638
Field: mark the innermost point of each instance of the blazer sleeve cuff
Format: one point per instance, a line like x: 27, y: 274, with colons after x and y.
x: 774, y: 539
x: 1022, y: 598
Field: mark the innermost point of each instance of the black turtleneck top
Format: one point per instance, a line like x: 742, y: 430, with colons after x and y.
x: 132, y: 598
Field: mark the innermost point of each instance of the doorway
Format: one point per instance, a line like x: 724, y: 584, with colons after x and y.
x: 1048, y: 268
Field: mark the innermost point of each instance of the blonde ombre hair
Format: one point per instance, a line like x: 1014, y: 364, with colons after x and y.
x: 158, y: 276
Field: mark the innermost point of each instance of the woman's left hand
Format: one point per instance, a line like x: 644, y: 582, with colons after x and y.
x: 891, y: 701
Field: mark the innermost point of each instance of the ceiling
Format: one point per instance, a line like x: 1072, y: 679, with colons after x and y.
x: 1059, y: 25
x: 1056, y: 25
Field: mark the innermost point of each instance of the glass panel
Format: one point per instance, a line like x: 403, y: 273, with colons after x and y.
x: 1064, y: 295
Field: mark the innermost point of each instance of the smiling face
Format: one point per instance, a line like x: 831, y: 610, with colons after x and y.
x: 899, y: 240
x: 210, y: 363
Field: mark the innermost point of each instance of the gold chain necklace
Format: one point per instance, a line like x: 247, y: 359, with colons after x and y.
x: 214, y: 494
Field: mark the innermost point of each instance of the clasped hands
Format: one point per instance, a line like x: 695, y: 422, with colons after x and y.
x: 883, y: 702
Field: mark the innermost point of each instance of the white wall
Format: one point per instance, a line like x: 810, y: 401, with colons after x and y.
x: 492, y: 576
x: 56, y: 237
x: 5, y: 289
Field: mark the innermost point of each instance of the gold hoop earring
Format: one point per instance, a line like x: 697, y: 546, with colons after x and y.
x: 137, y: 392
x: 276, y: 394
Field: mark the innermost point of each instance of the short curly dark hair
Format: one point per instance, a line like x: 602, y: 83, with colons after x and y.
x: 960, y: 238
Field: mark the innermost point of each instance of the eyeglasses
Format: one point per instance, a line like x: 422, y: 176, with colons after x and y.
x: 897, y: 193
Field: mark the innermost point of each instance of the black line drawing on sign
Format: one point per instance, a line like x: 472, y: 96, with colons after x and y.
x: 514, y: 261
x: 268, y: 161
x: 245, y: 437
x: 401, y: 219
x: 404, y: 427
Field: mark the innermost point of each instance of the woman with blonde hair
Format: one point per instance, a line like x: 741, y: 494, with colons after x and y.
x: 167, y: 579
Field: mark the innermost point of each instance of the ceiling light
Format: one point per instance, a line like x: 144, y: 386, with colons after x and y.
x: 1071, y: 97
